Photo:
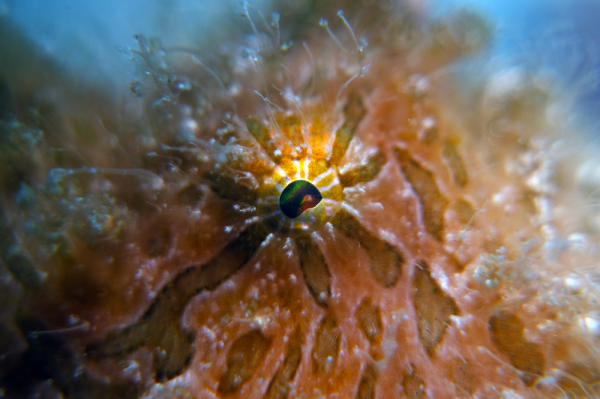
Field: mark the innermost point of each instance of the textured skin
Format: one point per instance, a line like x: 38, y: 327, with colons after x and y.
x: 434, y: 266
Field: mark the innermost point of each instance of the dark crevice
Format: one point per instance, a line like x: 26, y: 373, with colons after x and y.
x: 386, y: 261
x: 159, y: 329
x: 315, y: 270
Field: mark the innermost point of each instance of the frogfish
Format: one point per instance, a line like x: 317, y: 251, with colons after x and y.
x: 316, y: 206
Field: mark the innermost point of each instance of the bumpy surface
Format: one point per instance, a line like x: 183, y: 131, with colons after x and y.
x: 446, y: 258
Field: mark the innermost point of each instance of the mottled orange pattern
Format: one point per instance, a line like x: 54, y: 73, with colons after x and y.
x: 450, y: 255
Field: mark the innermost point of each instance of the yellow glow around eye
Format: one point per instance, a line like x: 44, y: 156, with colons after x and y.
x: 302, y: 214
x: 300, y: 154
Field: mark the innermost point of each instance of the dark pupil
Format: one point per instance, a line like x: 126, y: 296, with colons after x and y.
x: 297, y: 197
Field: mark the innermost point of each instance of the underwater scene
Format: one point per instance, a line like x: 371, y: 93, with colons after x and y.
x: 309, y: 199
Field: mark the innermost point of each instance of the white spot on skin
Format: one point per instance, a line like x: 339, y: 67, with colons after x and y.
x: 329, y: 228
x: 507, y: 195
x: 388, y: 236
x: 209, y: 333
x: 442, y: 280
x: 492, y: 283
x: 189, y: 128
x: 461, y: 321
x: 289, y: 247
x: 375, y: 205
x: 428, y: 122
x: 267, y: 240
x: 573, y: 283
x: 591, y: 325
x: 132, y: 371
x: 545, y: 325
x: 510, y: 394
x: 229, y: 285
x: 405, y: 193
x: 547, y: 380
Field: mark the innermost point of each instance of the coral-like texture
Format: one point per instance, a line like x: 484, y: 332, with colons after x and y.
x: 423, y: 251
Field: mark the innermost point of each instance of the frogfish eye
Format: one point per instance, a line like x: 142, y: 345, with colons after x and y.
x: 297, y: 197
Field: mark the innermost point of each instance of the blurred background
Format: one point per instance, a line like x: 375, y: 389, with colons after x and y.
x: 83, y: 38
x: 560, y: 40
